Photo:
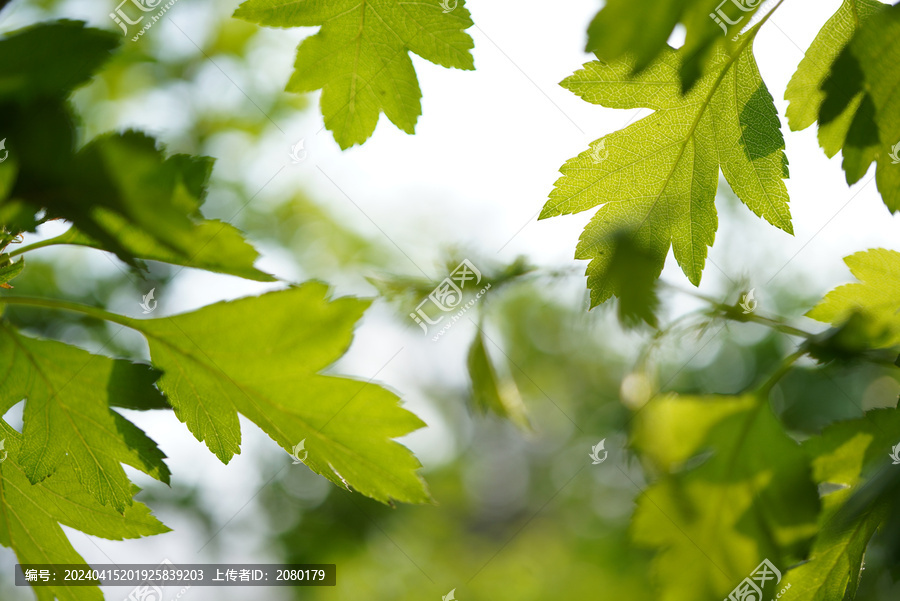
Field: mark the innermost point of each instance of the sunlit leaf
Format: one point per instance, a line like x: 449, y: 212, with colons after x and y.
x: 860, y: 113
x: 67, y: 414
x: 657, y: 178
x: 804, y: 90
x: 262, y: 357
x: 360, y: 56
x: 876, y: 297
x: 32, y: 515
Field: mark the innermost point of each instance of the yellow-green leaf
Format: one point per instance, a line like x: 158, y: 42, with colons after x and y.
x: 360, y: 56
x: 657, y: 178
x: 263, y: 357
x: 876, y: 297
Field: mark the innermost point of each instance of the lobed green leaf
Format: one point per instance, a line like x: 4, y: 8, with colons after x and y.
x: 262, y: 357
x: 68, y: 393
x: 360, y: 56
x: 657, y: 178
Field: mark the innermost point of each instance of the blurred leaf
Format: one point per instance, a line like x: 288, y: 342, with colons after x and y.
x: 68, y: 394
x: 819, y: 395
x: 15, y: 217
x: 33, y: 514
x: 359, y: 58
x: 876, y: 298
x: 840, y: 456
x: 119, y: 190
x: 861, y: 90
x: 51, y: 59
x: 734, y: 490
x: 658, y: 177
x: 851, y: 341
x: 262, y: 357
x: 642, y: 28
x: 9, y: 271
x: 488, y: 392
x: 631, y: 275
x: 145, y: 206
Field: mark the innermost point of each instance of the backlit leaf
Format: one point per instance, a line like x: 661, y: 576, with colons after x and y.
x: 657, y: 178
x: 262, y: 357
x: 67, y: 415
x: 860, y: 113
x: 360, y: 56
x: 31, y: 516
x: 876, y: 297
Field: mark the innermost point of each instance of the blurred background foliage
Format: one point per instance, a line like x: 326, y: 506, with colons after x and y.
x: 521, y: 513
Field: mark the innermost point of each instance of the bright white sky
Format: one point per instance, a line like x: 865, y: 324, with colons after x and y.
x: 486, y: 153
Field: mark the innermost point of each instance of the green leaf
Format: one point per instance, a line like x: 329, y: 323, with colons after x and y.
x: 640, y: 30
x: 147, y: 206
x: 51, y: 59
x: 142, y: 206
x: 803, y: 91
x: 68, y: 394
x: 861, y: 109
x: 876, y: 297
x: 120, y: 191
x: 734, y: 489
x: 840, y: 455
x: 218, y: 247
x: 30, y: 518
x: 658, y: 177
x: 631, y: 275
x: 489, y: 392
x: 360, y: 56
x: 263, y: 357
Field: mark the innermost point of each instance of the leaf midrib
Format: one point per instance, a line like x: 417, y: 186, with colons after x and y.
x: 245, y: 390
